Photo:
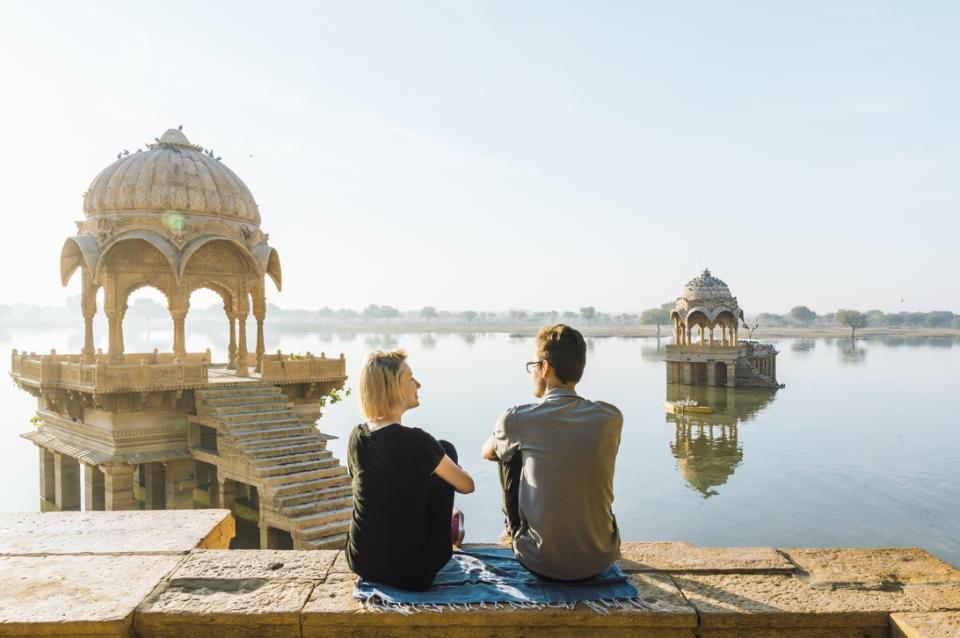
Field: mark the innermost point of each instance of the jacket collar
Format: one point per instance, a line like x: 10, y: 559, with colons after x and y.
x: 559, y: 392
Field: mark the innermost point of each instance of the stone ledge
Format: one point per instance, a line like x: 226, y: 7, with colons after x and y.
x: 879, y: 568
x: 932, y: 625
x: 133, y: 532
x: 685, y: 558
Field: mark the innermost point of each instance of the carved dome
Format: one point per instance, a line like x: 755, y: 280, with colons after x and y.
x: 173, y: 175
x: 706, y: 287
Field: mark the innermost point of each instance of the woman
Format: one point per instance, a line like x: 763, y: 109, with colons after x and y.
x: 403, y: 523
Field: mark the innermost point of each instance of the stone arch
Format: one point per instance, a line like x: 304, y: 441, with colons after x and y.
x: 203, y: 254
x: 77, y: 252
x: 121, y: 248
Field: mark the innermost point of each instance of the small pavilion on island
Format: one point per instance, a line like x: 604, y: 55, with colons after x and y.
x: 707, y: 349
x: 168, y: 430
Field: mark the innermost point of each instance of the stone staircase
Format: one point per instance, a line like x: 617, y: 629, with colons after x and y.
x: 302, y: 487
x: 754, y: 377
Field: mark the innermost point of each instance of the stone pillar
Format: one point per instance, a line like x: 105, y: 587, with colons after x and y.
x: 118, y: 487
x: 93, y: 492
x: 242, y: 370
x: 226, y: 493
x: 711, y: 374
x: 232, y: 347
x: 48, y: 490
x: 179, y: 337
x: 88, y: 306
x: 179, y: 484
x: 66, y: 482
x: 260, y: 346
x: 686, y: 373
x: 154, y: 489
x: 115, y: 332
x: 731, y: 375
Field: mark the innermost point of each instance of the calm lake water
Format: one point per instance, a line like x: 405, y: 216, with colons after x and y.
x: 862, y: 448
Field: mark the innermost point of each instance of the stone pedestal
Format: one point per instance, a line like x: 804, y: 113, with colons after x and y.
x: 226, y: 495
x: 118, y: 487
x: 731, y: 375
x: 93, y: 491
x: 179, y: 484
x: 66, y: 482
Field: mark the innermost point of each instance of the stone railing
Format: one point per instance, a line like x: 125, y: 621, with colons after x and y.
x: 281, y: 366
x: 146, y: 372
x: 698, y: 349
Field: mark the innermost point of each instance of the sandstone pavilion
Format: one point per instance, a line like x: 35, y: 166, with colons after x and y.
x: 175, y: 430
x: 707, y: 349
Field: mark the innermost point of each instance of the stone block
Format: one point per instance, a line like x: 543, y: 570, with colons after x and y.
x: 92, y: 595
x: 879, y: 568
x: 147, y: 532
x: 931, y: 625
x: 745, y: 603
x: 332, y: 610
x: 267, y: 564
x: 686, y: 558
x: 251, y: 607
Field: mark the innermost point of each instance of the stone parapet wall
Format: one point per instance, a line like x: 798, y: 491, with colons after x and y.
x: 92, y: 575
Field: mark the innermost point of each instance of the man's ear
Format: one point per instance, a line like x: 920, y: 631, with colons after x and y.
x: 546, y: 369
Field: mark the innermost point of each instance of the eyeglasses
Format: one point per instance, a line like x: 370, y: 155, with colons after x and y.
x: 533, y: 364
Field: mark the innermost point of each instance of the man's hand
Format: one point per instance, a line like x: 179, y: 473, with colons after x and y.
x: 489, y: 451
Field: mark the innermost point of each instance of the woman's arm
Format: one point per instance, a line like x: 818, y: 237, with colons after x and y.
x: 454, y: 475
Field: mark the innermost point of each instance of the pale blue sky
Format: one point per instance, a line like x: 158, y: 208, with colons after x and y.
x: 494, y: 155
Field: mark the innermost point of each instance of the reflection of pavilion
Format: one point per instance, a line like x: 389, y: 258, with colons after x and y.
x: 706, y: 445
x: 173, y: 426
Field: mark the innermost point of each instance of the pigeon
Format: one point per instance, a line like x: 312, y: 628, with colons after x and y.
x: 118, y: 155
x: 126, y: 152
x: 180, y: 128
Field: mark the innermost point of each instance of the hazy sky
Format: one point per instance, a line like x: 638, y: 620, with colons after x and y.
x: 494, y: 155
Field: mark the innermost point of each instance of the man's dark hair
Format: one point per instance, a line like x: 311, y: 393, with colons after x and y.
x: 565, y: 349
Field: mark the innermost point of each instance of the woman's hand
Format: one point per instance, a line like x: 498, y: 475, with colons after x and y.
x: 454, y: 475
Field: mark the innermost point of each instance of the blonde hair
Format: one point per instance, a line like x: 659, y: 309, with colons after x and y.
x: 380, y: 383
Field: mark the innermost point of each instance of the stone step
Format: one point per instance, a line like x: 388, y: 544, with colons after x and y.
x: 282, y: 469
x: 262, y: 416
x: 238, y: 391
x: 236, y: 409
x: 262, y: 462
x: 281, y: 481
x: 275, y: 441
x: 321, y: 533
x: 256, y: 450
x: 315, y: 492
x: 312, y: 521
x: 304, y: 491
x: 318, y: 500
x: 243, y: 399
x: 337, y: 541
x: 266, y: 431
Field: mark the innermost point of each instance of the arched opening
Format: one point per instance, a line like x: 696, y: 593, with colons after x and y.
x: 147, y: 323
x: 205, y: 321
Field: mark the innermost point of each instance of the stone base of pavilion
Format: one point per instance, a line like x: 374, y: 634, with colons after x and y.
x: 165, y: 574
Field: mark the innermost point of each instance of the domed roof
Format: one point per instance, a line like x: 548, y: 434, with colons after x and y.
x: 706, y: 287
x: 172, y: 175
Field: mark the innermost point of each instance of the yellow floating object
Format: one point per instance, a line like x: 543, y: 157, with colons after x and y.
x: 674, y: 407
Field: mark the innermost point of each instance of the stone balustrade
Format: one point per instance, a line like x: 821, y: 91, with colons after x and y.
x: 134, y: 372
x: 290, y: 367
x: 701, y: 349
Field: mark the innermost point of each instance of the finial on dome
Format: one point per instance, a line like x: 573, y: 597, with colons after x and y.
x: 705, y: 273
x: 174, y: 137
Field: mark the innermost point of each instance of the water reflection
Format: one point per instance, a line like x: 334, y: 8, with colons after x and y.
x: 803, y: 345
x: 428, y: 341
x: 706, y: 446
x: 850, y: 353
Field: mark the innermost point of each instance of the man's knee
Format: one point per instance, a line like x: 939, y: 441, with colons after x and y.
x: 449, y: 449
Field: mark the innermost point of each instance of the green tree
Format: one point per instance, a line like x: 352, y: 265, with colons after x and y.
x: 428, y: 313
x: 852, y: 318
x: 589, y: 313
x: 803, y: 315
x: 469, y: 315
x: 655, y: 316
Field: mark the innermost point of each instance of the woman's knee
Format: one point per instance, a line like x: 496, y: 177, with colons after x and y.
x: 449, y: 449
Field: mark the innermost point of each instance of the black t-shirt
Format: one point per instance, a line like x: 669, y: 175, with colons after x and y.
x: 389, y: 540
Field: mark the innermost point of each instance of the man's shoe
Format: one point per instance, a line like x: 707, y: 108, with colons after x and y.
x: 506, y: 538
x: 456, y: 528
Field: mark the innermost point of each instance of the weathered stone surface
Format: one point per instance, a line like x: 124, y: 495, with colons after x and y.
x: 932, y: 625
x: 881, y: 568
x: 251, y: 607
x: 173, y: 531
x: 748, y: 601
x: 686, y: 558
x: 332, y: 611
x: 262, y: 564
x: 340, y: 564
x: 76, y: 595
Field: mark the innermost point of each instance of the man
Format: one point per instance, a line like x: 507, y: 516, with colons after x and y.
x: 557, y: 461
